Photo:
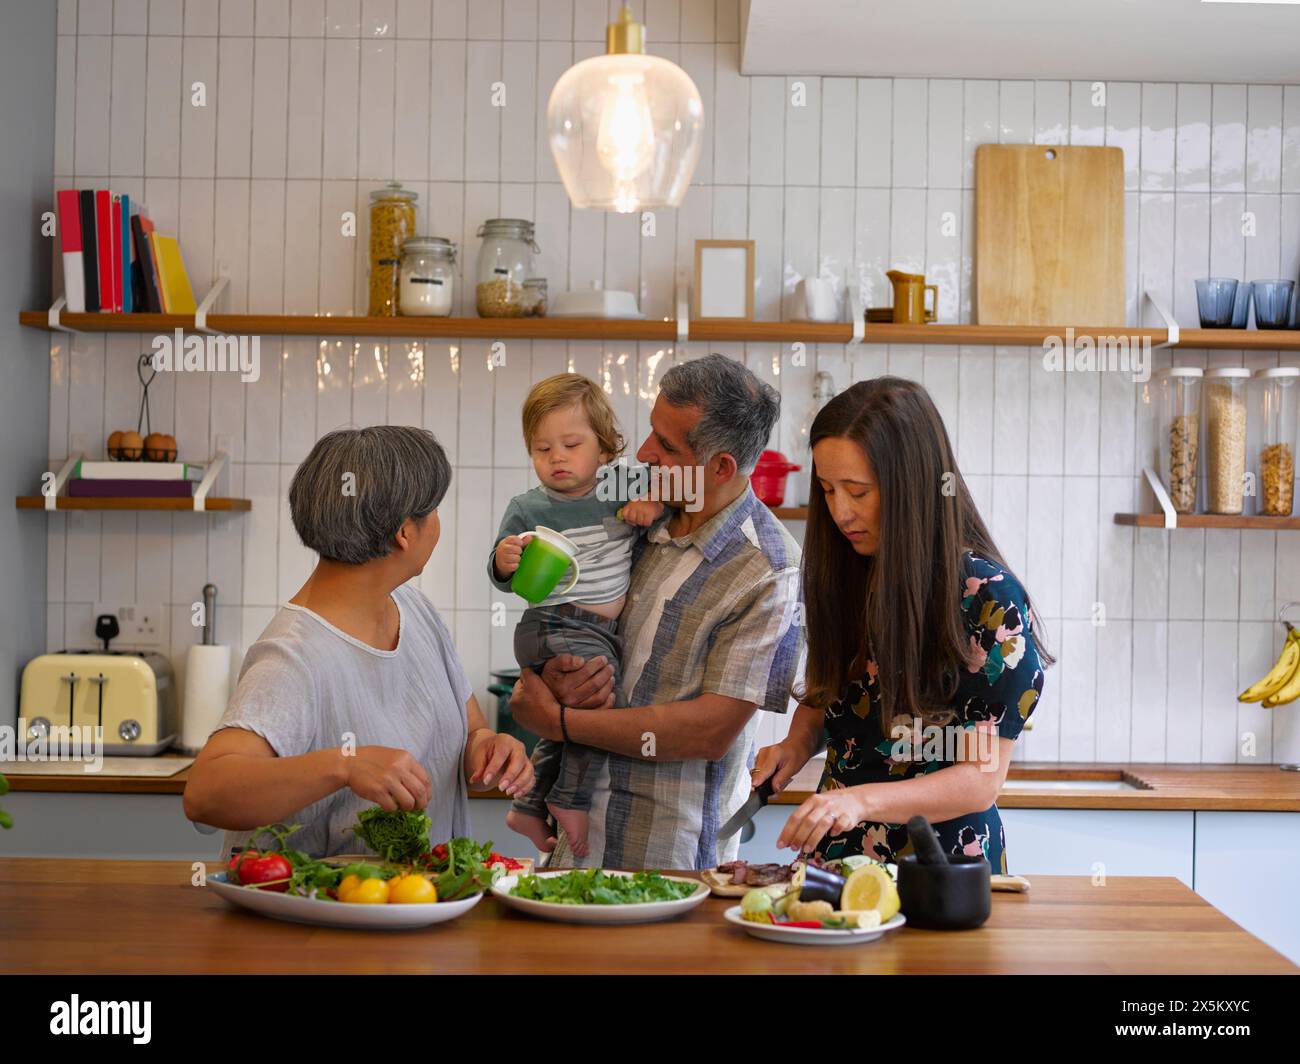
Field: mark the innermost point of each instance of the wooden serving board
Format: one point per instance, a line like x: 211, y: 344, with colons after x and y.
x: 1049, y: 235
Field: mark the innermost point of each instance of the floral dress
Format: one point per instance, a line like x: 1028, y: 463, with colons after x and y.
x: 1003, y: 687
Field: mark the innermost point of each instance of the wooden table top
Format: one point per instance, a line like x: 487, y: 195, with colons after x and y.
x: 111, y: 917
x: 1242, y: 788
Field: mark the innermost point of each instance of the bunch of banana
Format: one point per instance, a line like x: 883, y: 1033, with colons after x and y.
x: 1282, y: 684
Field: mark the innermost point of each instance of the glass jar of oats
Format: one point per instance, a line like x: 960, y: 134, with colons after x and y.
x: 1279, y: 401
x: 392, y: 223
x: 1224, y: 406
x: 505, y: 261
x: 1178, y: 424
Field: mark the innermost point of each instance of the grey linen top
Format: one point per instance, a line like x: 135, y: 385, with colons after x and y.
x: 305, y: 685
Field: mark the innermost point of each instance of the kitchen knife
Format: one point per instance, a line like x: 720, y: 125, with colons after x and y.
x: 756, y: 800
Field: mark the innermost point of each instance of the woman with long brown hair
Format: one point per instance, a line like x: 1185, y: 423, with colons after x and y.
x: 923, y: 658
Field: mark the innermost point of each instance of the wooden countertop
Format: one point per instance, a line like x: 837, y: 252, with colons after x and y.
x: 1241, y: 788
x: 112, y: 917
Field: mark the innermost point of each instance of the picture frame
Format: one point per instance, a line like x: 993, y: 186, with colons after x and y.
x: 724, y: 281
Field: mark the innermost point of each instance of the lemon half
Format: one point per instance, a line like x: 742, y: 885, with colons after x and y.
x: 870, y: 887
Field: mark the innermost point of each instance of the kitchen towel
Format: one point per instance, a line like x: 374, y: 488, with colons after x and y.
x: 207, y: 689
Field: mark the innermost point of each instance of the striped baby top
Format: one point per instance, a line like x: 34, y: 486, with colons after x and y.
x: 604, y: 542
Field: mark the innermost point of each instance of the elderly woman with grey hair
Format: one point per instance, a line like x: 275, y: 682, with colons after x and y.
x: 354, y: 694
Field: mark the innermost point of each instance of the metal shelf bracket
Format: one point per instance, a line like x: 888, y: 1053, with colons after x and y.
x: 1162, y: 497
x: 1171, y: 327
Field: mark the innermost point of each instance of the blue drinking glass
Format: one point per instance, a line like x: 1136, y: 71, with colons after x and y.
x: 1214, y: 300
x: 1273, y: 304
x: 1241, y: 305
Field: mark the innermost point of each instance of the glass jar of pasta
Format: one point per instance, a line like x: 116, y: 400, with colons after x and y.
x: 505, y: 262
x: 392, y: 223
x: 1178, y: 425
x: 1279, y: 400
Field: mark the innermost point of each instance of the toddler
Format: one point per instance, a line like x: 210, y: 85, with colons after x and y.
x: 570, y: 432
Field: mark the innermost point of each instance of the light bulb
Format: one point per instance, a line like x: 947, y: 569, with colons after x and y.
x: 625, y: 139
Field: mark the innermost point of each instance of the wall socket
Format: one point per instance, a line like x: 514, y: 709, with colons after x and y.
x: 141, y: 623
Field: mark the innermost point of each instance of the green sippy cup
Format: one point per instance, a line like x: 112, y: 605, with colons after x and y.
x: 543, y: 564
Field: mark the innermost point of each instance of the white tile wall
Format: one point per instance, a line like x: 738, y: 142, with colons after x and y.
x: 312, y: 103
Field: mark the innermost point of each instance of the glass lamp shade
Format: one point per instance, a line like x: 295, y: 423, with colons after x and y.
x: 625, y: 130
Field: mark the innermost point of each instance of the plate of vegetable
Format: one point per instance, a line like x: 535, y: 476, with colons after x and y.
x: 409, y: 884
x: 837, y: 929
x: 820, y: 906
x: 596, y: 896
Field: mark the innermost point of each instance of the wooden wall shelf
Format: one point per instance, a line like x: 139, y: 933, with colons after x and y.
x: 67, y: 502
x: 1257, y: 521
x: 658, y: 330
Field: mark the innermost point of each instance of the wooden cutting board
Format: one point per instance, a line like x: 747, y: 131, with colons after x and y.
x: 1049, y: 235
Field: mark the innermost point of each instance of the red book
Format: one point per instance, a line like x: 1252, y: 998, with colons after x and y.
x: 115, y: 208
x: 74, y: 271
x: 104, y: 228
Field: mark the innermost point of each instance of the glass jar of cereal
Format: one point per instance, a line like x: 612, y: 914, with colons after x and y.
x: 1225, y: 438
x: 1279, y: 399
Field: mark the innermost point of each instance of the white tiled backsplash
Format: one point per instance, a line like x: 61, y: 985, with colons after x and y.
x: 312, y: 104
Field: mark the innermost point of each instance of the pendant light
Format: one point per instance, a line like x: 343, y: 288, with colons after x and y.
x: 625, y: 127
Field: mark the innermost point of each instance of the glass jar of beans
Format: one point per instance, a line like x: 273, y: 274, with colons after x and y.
x: 1224, y: 403
x: 1279, y: 403
x: 1178, y: 424
x: 505, y: 262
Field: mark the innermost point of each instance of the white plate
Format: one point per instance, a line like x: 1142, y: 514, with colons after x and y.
x: 636, y: 913
x: 811, y: 936
x: 586, y: 313
x: 340, y: 914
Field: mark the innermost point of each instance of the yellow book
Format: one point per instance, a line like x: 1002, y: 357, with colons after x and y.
x: 173, y: 282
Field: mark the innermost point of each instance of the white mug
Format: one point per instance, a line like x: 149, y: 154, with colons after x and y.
x: 816, y: 296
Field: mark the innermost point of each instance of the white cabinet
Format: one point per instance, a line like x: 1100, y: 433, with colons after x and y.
x: 1084, y: 842
x: 1248, y: 866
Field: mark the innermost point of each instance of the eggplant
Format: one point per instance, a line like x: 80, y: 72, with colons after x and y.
x: 821, y: 884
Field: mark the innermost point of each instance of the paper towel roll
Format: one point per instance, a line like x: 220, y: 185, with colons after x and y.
x: 207, y: 689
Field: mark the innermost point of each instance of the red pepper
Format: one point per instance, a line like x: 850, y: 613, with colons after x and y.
x: 509, y: 862
x: 801, y: 923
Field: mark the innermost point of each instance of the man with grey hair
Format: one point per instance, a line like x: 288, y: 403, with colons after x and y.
x: 354, y: 694
x: 710, y: 636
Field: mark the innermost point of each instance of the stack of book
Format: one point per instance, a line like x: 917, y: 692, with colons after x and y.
x: 134, y: 480
x: 113, y: 260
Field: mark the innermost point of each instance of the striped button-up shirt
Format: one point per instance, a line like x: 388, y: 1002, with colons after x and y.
x: 712, y: 612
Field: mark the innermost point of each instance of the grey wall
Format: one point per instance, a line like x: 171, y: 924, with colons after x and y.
x: 27, y: 46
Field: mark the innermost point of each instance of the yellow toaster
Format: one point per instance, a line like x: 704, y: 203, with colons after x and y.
x: 131, y: 695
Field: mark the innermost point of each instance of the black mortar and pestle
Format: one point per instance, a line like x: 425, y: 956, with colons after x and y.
x: 938, y: 891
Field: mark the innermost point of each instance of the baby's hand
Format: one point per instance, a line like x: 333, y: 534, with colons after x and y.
x: 508, y: 553
x: 642, y: 512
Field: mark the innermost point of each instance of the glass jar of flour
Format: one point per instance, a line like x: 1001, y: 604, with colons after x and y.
x: 428, y: 276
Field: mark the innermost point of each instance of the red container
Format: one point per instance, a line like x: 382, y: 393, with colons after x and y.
x: 769, y: 476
